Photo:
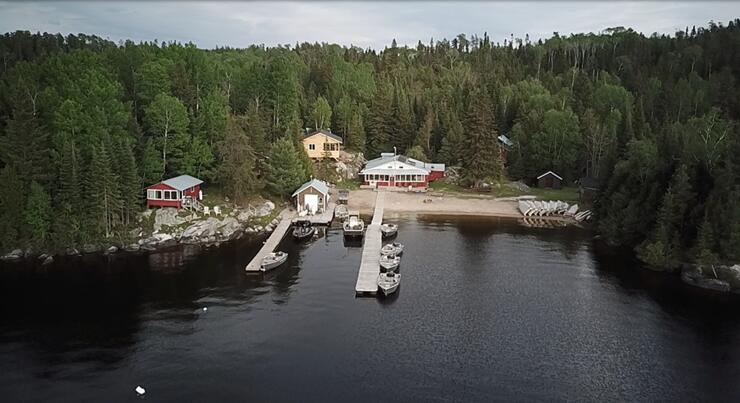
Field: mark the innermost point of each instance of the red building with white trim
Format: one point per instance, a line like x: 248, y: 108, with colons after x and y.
x: 391, y: 170
x: 177, y: 192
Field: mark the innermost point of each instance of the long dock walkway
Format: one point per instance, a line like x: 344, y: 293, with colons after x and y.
x: 367, y: 277
x: 286, y: 219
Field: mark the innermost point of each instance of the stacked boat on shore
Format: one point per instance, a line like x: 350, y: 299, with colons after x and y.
x: 537, y: 208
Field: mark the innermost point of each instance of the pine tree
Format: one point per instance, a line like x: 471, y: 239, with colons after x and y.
x: 67, y: 221
x: 25, y: 145
x: 451, y: 149
x: 402, y: 128
x: 102, y: 194
x: 705, y: 245
x: 11, y: 208
x: 356, y: 135
x: 379, y: 130
x: 424, y: 134
x: 483, y: 161
x: 665, y: 247
x: 129, y: 182
x: 236, y: 171
x: 37, y: 214
x: 286, y: 171
x: 150, y: 168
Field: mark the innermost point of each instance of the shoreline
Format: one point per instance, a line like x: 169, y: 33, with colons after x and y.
x: 404, y: 203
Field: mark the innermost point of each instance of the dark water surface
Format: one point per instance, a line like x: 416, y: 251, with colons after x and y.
x: 487, y: 310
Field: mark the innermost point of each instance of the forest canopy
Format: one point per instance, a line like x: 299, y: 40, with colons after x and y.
x: 85, y: 123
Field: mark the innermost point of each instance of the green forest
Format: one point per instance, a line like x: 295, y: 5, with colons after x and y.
x: 86, y: 123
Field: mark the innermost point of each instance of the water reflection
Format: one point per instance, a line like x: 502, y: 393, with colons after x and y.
x: 488, y: 307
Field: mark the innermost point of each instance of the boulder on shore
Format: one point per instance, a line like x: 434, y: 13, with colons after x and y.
x: 48, y: 260
x: 695, y: 276
x: 15, y: 254
x: 167, y: 217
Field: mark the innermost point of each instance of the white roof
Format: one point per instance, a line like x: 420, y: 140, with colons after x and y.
x: 390, y: 164
x: 550, y: 172
x: 505, y: 140
x: 314, y: 183
x: 182, y: 182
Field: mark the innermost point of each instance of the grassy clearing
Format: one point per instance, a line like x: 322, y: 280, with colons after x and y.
x: 567, y: 194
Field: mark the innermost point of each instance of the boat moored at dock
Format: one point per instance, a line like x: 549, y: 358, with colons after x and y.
x: 389, y: 282
x: 390, y: 262
x: 395, y: 249
x: 353, y: 226
x: 303, y: 230
x: 388, y: 230
x: 273, y: 260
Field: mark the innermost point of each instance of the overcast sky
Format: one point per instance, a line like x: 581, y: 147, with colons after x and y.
x: 364, y: 24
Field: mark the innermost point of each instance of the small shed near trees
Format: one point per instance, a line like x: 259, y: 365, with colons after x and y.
x: 550, y: 179
x: 312, y: 197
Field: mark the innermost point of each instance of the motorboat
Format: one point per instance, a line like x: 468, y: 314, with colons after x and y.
x: 388, y: 282
x: 303, y: 230
x: 273, y: 260
x: 395, y: 248
x: 341, y: 212
x: 353, y: 226
x: 388, y: 230
x: 390, y: 262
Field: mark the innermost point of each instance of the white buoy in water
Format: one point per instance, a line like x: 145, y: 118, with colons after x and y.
x: 140, y: 390
x: 205, y: 309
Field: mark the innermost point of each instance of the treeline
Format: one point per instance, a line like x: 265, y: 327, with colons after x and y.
x: 654, y: 119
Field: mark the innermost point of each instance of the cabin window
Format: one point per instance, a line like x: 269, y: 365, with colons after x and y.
x: 312, y: 146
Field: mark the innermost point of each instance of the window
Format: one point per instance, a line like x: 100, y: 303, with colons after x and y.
x: 312, y: 146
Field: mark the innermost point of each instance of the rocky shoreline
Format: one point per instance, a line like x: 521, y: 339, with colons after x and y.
x: 170, y: 227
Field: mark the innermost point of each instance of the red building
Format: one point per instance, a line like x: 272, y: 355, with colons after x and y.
x: 180, y: 191
x: 399, y: 171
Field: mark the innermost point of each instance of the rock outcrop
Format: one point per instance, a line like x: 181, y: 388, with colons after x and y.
x: 167, y: 217
x: 15, y: 254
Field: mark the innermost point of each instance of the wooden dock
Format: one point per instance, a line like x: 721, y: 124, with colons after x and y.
x: 367, y: 277
x: 286, y: 219
x: 324, y: 218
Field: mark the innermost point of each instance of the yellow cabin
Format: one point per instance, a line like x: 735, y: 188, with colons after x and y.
x: 322, y: 143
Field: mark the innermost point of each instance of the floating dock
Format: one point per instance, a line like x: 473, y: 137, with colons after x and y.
x: 367, y: 277
x: 286, y: 219
x: 324, y: 218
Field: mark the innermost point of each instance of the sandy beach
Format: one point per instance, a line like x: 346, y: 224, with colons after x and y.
x: 363, y: 200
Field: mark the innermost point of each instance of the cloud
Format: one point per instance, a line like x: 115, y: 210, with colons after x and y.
x: 370, y: 24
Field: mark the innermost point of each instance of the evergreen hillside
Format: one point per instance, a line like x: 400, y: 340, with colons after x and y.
x: 85, y: 123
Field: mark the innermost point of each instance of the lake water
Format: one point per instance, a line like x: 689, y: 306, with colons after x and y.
x: 487, y: 311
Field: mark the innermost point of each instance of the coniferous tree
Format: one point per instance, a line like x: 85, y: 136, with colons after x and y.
x: 664, y: 248
x: 11, y: 208
x: 483, y: 161
x: 67, y: 220
x: 101, y: 190
x: 285, y: 169
x: 379, y: 130
x: 129, y: 182
x: 236, y: 172
x: 37, y: 214
x: 356, y: 135
x: 25, y: 145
